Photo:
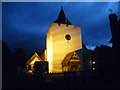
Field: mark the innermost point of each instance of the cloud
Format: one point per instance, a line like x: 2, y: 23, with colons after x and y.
x: 26, y: 24
x: 91, y: 47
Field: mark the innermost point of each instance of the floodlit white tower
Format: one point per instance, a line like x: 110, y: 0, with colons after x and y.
x: 61, y: 38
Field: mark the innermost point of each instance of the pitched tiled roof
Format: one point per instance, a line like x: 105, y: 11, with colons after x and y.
x: 73, y: 56
x: 32, y: 58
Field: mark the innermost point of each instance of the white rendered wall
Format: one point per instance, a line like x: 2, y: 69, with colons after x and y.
x: 58, y: 46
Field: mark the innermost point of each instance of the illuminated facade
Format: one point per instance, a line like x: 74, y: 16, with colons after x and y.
x: 37, y: 62
x: 30, y: 63
x: 71, y: 62
x: 64, y: 51
x: 61, y: 38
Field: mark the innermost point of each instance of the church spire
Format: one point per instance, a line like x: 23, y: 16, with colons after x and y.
x: 62, y: 18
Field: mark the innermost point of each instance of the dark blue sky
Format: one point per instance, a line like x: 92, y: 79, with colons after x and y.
x: 25, y: 24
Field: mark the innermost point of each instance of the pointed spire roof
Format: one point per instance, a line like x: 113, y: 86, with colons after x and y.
x: 62, y: 18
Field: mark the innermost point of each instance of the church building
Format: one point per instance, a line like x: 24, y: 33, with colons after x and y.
x: 65, y: 51
x: 63, y: 39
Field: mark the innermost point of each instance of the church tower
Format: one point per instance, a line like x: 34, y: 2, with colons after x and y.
x: 61, y: 38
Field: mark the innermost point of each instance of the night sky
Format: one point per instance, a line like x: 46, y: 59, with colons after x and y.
x: 25, y: 24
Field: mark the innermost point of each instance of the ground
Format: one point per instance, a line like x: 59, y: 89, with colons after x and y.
x: 67, y: 80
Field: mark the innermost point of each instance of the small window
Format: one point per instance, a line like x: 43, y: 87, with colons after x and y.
x: 68, y: 37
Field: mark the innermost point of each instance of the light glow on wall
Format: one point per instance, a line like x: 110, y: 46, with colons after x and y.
x: 35, y: 60
x: 49, y: 49
x: 58, y: 46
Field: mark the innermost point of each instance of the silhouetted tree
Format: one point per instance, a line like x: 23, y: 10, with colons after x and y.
x: 8, y: 67
x: 19, y: 56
